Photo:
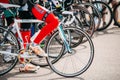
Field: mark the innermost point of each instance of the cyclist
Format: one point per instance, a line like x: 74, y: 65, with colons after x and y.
x: 114, y: 3
x: 40, y: 13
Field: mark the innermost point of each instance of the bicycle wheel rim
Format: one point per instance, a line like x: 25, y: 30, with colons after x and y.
x: 59, y: 65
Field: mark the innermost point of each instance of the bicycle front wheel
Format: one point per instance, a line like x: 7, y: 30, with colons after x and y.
x: 70, y: 64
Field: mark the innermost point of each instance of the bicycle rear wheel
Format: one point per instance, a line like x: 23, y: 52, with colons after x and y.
x: 70, y: 64
x: 10, y: 44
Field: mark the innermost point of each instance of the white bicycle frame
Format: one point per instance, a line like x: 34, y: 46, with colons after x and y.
x: 61, y: 32
x: 17, y: 21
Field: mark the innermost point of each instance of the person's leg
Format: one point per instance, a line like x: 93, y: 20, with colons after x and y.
x: 9, y: 20
x: 24, y: 30
x: 104, y: 17
x: 26, y: 34
x: 103, y: 13
x: 114, y: 3
x: 51, y: 23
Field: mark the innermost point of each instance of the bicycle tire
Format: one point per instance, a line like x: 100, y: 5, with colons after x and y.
x: 95, y: 13
x: 117, y: 22
x: 64, y: 55
x: 5, y: 67
x: 88, y: 25
x: 109, y: 1
x: 109, y: 21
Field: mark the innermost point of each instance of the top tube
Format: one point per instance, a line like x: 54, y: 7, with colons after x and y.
x: 5, y: 5
x: 28, y: 21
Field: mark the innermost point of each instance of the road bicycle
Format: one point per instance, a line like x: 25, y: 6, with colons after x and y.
x: 105, y: 11
x: 74, y: 43
x: 58, y: 53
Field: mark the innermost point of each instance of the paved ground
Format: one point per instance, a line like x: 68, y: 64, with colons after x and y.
x: 106, y: 64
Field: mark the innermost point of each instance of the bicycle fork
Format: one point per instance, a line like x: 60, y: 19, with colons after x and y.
x: 63, y: 37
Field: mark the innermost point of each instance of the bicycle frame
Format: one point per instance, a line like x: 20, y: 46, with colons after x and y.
x: 61, y: 32
x: 36, y: 21
x: 16, y: 21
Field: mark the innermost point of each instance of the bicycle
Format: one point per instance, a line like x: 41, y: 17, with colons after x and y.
x: 74, y: 42
x: 104, y: 10
x: 7, y: 38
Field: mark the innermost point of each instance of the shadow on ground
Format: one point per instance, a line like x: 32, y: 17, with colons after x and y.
x: 23, y: 76
x: 113, y: 30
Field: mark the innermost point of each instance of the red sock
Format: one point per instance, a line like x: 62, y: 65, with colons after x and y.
x: 26, y: 38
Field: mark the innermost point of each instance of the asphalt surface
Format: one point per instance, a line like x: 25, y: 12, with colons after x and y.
x: 105, y: 66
